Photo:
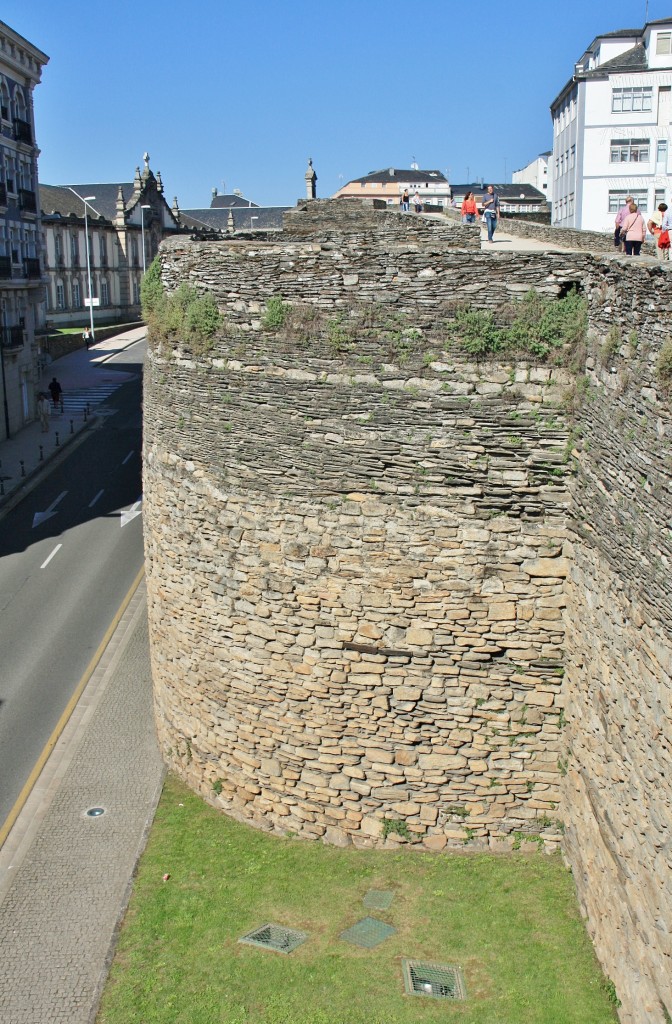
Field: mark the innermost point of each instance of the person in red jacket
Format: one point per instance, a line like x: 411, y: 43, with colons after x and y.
x: 469, y: 210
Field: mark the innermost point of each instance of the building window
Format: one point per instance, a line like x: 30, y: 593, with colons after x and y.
x: 60, y: 295
x: 664, y: 42
x: 617, y: 199
x: 658, y: 197
x: 633, y: 97
x: 103, y: 251
x: 572, y: 157
x: 136, y: 292
x: 570, y: 205
x: 629, y: 151
x: 661, y: 154
x: 76, y: 294
x: 104, y: 292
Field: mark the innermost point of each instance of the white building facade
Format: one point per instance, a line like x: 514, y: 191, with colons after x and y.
x: 536, y: 173
x: 611, y: 129
x: 21, y: 268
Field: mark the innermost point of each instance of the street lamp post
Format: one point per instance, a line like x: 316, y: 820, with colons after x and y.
x: 85, y: 200
x: 146, y: 206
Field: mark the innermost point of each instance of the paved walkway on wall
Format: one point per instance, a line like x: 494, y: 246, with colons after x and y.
x: 86, y: 381
x: 65, y: 877
x: 510, y: 243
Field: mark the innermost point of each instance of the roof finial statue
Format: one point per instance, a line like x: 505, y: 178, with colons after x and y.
x: 145, y: 157
x: 175, y: 210
x: 137, y: 181
x: 311, y: 180
x: 159, y: 183
x: 120, y: 208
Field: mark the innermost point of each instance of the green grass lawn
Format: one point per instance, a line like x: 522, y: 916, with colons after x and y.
x: 510, y: 922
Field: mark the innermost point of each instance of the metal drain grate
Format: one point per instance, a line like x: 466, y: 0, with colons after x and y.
x: 378, y: 899
x: 275, y: 937
x: 368, y: 933
x: 438, y: 981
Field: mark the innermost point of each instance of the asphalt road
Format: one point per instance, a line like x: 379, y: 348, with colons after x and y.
x: 68, y: 554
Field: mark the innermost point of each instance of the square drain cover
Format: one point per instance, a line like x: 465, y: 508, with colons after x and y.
x: 438, y: 981
x: 368, y: 933
x: 377, y: 899
x: 275, y: 937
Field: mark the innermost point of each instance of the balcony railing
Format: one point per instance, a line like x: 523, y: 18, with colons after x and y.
x: 22, y: 131
x: 3, y: 194
x: 33, y: 268
x: 12, y: 337
x: 27, y: 200
x: 5, y: 268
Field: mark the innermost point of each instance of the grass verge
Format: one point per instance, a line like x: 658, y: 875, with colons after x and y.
x: 511, y: 923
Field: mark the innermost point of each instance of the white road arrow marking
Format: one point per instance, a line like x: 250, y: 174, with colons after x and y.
x: 41, y: 517
x: 130, y: 514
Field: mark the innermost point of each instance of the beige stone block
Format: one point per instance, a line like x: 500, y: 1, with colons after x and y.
x: 436, y: 843
x: 419, y: 637
x: 540, y: 697
x: 372, y: 827
x: 505, y: 610
x: 548, y: 567
x: 363, y: 679
x: 405, y: 757
x: 370, y: 630
x: 406, y: 807
x: 428, y: 815
x: 335, y: 836
x: 444, y: 762
x: 407, y: 693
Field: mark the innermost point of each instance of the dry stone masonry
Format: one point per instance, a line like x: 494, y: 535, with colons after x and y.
x: 397, y: 592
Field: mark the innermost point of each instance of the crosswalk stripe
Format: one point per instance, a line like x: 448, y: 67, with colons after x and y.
x: 77, y: 399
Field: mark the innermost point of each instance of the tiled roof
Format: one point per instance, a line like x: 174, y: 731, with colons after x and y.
x: 632, y: 60
x: 229, y: 201
x: 59, y: 199
x: 401, y: 175
x: 508, y: 193
x: 255, y: 218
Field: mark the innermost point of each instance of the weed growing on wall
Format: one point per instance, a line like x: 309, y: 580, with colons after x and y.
x: 182, y: 315
x: 275, y: 314
x: 664, y: 366
x: 540, y: 326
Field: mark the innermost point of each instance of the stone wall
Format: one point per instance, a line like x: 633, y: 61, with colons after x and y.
x: 359, y: 553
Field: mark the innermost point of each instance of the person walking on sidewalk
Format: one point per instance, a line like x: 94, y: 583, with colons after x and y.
x: 491, y: 210
x: 43, y: 410
x: 86, y: 336
x: 55, y: 390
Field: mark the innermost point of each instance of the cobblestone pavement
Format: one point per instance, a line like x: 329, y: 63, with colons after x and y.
x: 65, y: 878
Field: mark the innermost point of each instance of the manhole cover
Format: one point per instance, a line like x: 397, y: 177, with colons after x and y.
x: 275, y: 937
x: 378, y: 899
x: 438, y: 981
x: 95, y: 812
x: 368, y: 933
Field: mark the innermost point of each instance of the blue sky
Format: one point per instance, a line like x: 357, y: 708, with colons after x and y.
x: 239, y: 95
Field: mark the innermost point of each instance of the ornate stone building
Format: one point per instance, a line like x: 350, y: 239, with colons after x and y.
x: 122, y: 218
x: 21, y: 285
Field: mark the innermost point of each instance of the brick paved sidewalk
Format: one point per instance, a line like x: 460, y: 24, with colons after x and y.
x: 65, y: 878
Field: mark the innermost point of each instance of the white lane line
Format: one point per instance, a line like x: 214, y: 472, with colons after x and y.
x: 129, y: 456
x: 46, y: 563
x: 93, y: 502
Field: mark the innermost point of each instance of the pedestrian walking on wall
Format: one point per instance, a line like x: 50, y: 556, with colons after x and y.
x: 655, y: 226
x: 491, y: 210
x: 43, y: 410
x: 633, y: 229
x: 405, y: 201
x: 417, y: 202
x: 624, y: 211
x: 55, y: 390
x: 469, y: 209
